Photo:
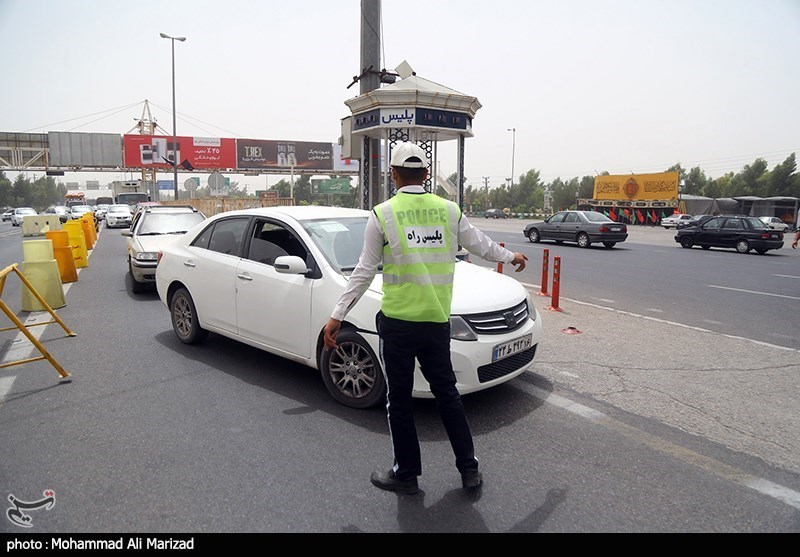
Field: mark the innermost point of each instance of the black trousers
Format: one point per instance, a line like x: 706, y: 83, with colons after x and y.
x: 402, y: 343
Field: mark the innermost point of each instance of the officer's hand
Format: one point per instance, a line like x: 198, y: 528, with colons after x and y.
x: 519, y: 261
x: 330, y: 331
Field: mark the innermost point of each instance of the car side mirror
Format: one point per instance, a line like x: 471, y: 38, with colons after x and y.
x: 126, y: 233
x: 290, y: 265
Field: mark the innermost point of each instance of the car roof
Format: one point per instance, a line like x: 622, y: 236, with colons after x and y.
x: 170, y: 209
x: 298, y: 212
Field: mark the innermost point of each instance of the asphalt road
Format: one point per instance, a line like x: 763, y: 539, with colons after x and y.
x: 637, y: 423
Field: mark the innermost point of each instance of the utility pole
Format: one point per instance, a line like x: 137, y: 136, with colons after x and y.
x: 370, y: 80
x: 486, y: 185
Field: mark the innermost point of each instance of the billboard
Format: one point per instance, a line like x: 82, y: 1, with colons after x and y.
x: 158, y: 151
x: 98, y: 150
x: 255, y: 154
x: 637, y: 187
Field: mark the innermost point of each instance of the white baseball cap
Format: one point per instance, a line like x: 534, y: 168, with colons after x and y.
x: 409, y: 155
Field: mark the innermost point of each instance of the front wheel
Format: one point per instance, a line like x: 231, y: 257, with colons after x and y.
x: 352, y: 372
x: 742, y: 246
x: 533, y: 236
x: 185, y: 322
x: 583, y: 240
x: 687, y: 242
x: 609, y: 244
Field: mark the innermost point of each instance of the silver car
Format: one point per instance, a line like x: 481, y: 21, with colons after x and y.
x: 582, y: 227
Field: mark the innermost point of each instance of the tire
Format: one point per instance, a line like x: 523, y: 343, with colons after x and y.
x: 742, y: 246
x: 183, y: 314
x: 583, y: 240
x: 687, y: 242
x: 136, y: 286
x: 609, y: 244
x: 533, y: 236
x: 352, y: 373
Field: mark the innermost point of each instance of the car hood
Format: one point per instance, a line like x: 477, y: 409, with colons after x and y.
x: 476, y: 289
x: 155, y: 243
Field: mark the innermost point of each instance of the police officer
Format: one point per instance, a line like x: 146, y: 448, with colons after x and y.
x: 416, y: 236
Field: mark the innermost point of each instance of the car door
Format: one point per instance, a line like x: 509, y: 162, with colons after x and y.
x: 708, y: 234
x: 730, y: 232
x: 274, y: 308
x: 551, y: 227
x: 211, y: 266
x: 570, y: 227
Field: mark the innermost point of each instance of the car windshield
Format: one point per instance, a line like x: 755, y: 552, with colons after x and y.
x: 81, y: 208
x: 121, y: 209
x: 594, y: 216
x: 340, y: 240
x: 154, y: 224
x: 26, y: 211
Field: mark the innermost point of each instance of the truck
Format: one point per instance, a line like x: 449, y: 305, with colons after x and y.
x: 131, y: 192
x: 73, y: 198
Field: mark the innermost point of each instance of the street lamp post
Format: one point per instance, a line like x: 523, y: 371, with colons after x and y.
x: 513, y: 151
x: 174, y: 114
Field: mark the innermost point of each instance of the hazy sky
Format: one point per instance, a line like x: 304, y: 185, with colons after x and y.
x: 590, y: 85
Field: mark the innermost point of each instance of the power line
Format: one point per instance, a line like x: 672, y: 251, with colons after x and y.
x: 117, y: 109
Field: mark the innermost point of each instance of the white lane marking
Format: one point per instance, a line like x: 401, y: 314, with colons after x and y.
x: 753, y: 292
x: 655, y: 310
x: 787, y: 276
x: 5, y: 386
x: 730, y: 473
x: 690, y: 327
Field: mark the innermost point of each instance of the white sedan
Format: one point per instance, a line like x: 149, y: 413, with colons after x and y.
x: 19, y: 214
x: 672, y: 221
x: 270, y: 277
x: 775, y: 223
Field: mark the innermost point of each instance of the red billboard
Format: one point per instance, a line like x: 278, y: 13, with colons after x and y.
x: 158, y: 151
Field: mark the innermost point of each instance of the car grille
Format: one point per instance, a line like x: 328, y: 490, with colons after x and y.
x: 498, y: 369
x: 499, y: 322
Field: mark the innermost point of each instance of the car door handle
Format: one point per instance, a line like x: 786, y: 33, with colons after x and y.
x: 189, y: 263
x: 244, y: 276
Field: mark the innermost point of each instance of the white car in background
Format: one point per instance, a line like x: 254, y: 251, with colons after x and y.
x: 673, y: 221
x: 118, y: 216
x: 775, y: 223
x: 153, y: 229
x: 20, y: 213
x: 270, y: 277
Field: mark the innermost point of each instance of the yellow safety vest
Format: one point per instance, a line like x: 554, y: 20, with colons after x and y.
x: 421, y: 232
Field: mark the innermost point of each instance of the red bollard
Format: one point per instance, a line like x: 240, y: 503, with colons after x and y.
x: 545, y: 272
x: 556, y: 281
x: 500, y: 263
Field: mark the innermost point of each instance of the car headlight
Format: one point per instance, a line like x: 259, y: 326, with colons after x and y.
x: 147, y: 256
x: 460, y: 330
x: 529, y: 301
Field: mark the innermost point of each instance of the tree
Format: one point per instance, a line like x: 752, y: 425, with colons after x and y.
x: 6, y: 191
x: 783, y: 180
x: 695, y: 181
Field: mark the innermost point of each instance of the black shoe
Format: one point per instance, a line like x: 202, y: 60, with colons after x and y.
x: 471, y: 479
x: 390, y: 482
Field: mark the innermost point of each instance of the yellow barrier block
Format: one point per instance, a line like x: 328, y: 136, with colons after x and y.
x: 62, y: 252
x: 77, y: 241
x: 60, y: 238
x: 37, y: 250
x: 45, y: 278
x: 87, y: 232
x: 88, y: 218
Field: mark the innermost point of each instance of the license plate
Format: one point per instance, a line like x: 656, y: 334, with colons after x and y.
x: 616, y: 229
x: 511, y: 347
